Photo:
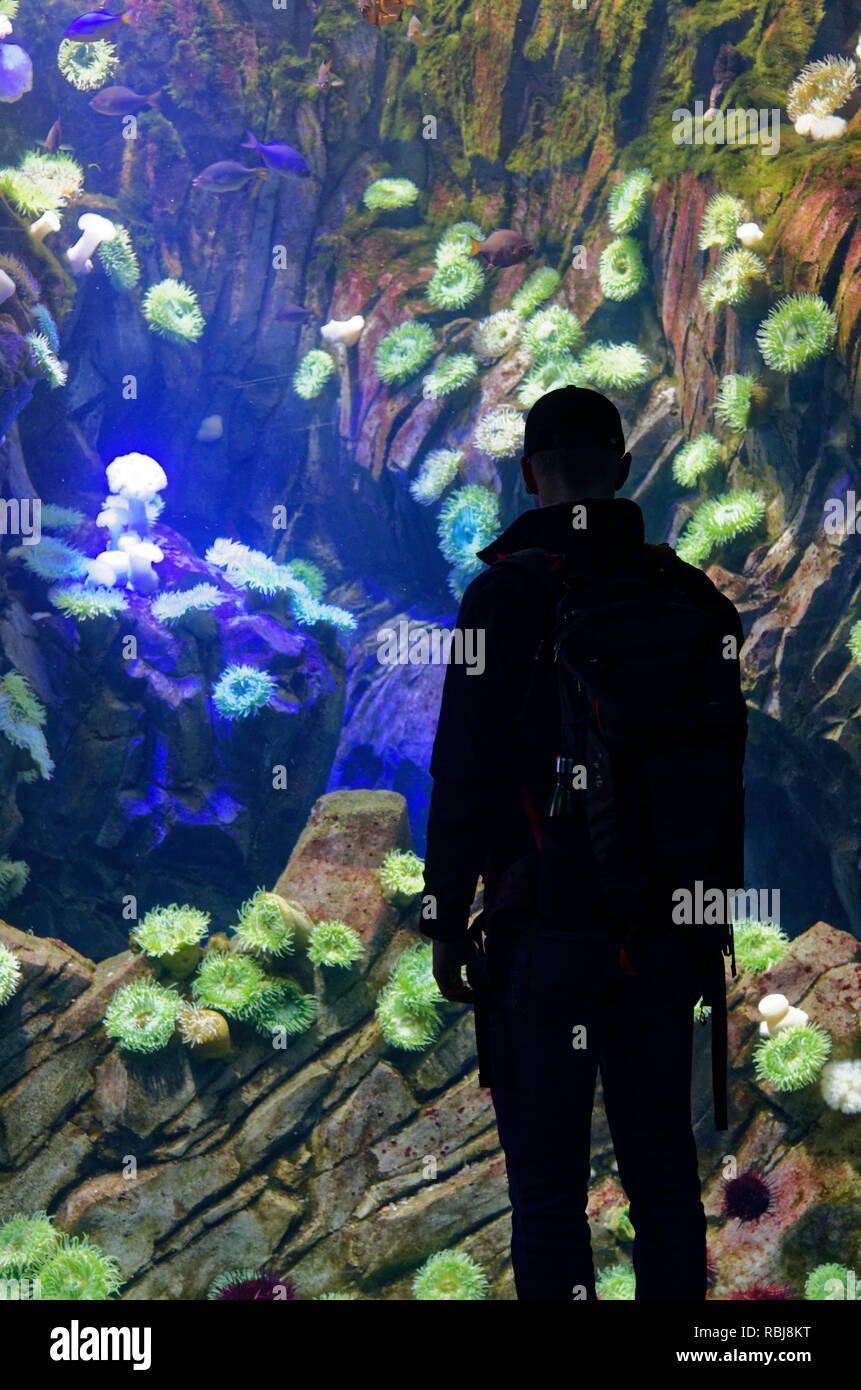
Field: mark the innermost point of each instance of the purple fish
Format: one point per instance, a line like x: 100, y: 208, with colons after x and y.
x: 294, y: 313
x: 54, y: 136
x: 94, y: 24
x: 282, y: 158
x: 226, y: 176
x: 121, y: 101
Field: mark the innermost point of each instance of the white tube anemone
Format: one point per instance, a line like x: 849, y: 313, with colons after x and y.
x: 44, y: 225
x: 94, y: 230
x: 109, y: 568
x: 346, y: 331
x: 137, y: 479
x: 142, y: 555
x: 7, y: 286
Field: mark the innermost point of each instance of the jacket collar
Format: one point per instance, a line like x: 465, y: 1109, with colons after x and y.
x: 595, y: 529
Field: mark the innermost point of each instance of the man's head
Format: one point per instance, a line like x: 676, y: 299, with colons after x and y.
x: 574, y: 447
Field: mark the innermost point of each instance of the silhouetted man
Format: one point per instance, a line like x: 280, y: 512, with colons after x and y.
x: 564, y: 986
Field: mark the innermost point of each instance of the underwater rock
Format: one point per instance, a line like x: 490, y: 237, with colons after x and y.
x: 315, y: 1157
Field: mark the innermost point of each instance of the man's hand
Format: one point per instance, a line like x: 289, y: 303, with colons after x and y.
x: 449, y: 958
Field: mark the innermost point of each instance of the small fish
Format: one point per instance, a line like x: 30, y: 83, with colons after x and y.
x: 294, y: 313
x: 324, y: 79
x: 94, y: 24
x: 415, y: 30
x: 226, y: 176
x: 121, y: 101
x: 282, y: 158
x: 54, y: 136
x: 503, y: 247
x: 380, y: 12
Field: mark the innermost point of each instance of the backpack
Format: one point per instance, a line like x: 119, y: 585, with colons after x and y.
x: 651, y: 712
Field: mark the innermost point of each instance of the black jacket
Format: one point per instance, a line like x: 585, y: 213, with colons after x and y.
x: 477, y: 824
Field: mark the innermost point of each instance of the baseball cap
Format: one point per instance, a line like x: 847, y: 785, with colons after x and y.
x: 570, y: 417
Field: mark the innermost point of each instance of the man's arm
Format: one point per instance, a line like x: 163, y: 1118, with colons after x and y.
x: 473, y: 762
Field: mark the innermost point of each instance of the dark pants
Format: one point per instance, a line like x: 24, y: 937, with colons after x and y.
x: 557, y: 1008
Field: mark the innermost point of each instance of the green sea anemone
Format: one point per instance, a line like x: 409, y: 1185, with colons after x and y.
x: 821, y: 88
x: 49, y: 330
x: 830, y: 1283
x: 335, y: 944
x: 26, y: 1242
x: 45, y: 362
x: 499, y: 433
x: 51, y: 559
x: 312, y: 373
x: 792, y: 1058
x: 78, y: 1271
x: 734, y: 399
x: 405, y: 1022
x: 118, y: 257
x: 242, y: 691
x: 251, y: 569
x: 263, y: 925
x: 413, y: 974
x: 799, y: 330
x: 455, y: 284
x: 171, y: 310
x: 164, y: 931
x: 496, y: 335
x: 289, y: 1011
x: 21, y: 718
x: 42, y: 182
x: 14, y: 874
x: 854, y: 642
x: 307, y: 611
x: 452, y: 374
x: 9, y: 8
x: 552, y: 331
x: 535, y: 289
x: 172, y: 607
x: 696, y: 458
x: 615, y: 366
x: 142, y: 1016
x: 550, y: 375
x: 387, y: 194
x: 456, y: 243
x: 10, y: 974
x: 450, y: 1276
x: 401, y: 876
x: 84, y: 601
x: 458, y: 579
x: 57, y: 518
x: 616, y: 1283
x: 204, y: 1031
x: 27, y: 287
x: 718, y: 522
x: 234, y: 984
x: 468, y: 521
x: 730, y: 281
x: 628, y: 201
x: 722, y: 215
x: 338, y: 1295
x: 87, y: 66
x: 436, y: 473
x: 404, y: 351
x: 758, y: 945
x: 621, y: 273
x: 308, y: 574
